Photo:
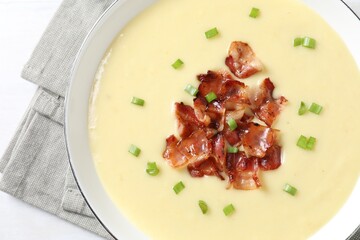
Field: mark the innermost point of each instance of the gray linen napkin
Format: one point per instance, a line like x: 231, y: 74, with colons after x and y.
x: 35, y: 165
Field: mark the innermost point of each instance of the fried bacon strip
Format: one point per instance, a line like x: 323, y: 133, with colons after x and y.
x: 242, y: 171
x: 204, y: 132
x: 242, y: 61
x: 258, y: 140
x: 205, y: 167
x: 187, y: 121
x: 264, y: 105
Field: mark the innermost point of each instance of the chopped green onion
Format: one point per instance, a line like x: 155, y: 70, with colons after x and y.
x: 232, y: 124
x: 302, y: 141
x: 309, y: 42
x: 134, y: 150
x: 178, y: 187
x: 211, y: 33
x: 298, y: 41
x: 210, y: 97
x: 310, y: 143
x: 306, y: 143
x: 138, y: 101
x: 290, y: 189
x: 203, y: 206
x: 315, y: 108
x: 229, y: 209
x: 232, y: 149
x: 303, y: 109
x: 191, y: 90
x: 177, y: 64
x: 254, y: 12
x: 152, y: 169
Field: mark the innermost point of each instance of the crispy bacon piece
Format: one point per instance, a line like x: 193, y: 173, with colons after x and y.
x: 242, y: 171
x: 219, y: 154
x: 235, y: 99
x: 212, y: 82
x: 195, y: 147
x: 264, y: 105
x: 187, y: 121
x: 212, y: 114
x: 235, y: 137
x: 232, y: 97
x: 242, y: 61
x: 172, y: 155
x: 205, y: 167
x: 272, y: 159
x: 258, y: 139
x: 228, y: 90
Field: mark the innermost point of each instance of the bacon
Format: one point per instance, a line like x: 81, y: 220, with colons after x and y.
x: 228, y: 90
x: 258, y: 140
x: 219, y: 154
x: 242, y: 171
x: 272, y: 159
x: 242, y: 61
x: 205, y: 134
x: 195, y: 147
x: 235, y: 137
x: 172, y: 155
x: 187, y: 121
x: 212, y: 114
x: 232, y: 97
x: 264, y: 105
x: 205, y: 167
x: 212, y: 82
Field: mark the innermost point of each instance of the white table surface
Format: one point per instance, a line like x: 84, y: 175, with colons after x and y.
x: 22, y: 23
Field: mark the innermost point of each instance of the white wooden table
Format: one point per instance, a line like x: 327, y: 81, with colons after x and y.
x: 21, y: 24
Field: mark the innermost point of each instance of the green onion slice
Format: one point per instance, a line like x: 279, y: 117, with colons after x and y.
x: 232, y: 124
x: 152, y: 169
x: 302, y: 141
x: 254, y: 13
x: 134, y: 150
x: 177, y: 64
x: 203, y: 206
x: 232, y: 149
x: 306, y: 143
x: 210, y: 97
x: 211, y: 33
x: 303, y: 109
x: 138, y: 101
x: 191, y: 90
x: 229, y: 209
x: 315, y: 108
x: 290, y: 189
x: 310, y: 143
x: 298, y: 41
x: 309, y: 42
x: 179, y: 187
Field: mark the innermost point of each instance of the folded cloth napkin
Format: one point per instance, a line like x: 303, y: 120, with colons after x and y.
x: 35, y: 165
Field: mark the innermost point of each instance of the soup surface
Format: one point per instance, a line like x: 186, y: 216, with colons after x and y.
x: 138, y: 63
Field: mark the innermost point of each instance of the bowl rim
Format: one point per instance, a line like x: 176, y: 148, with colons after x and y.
x: 82, y: 49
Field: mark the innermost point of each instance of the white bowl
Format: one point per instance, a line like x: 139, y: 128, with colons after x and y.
x: 335, y: 12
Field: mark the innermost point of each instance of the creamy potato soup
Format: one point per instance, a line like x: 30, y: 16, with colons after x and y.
x: 138, y: 63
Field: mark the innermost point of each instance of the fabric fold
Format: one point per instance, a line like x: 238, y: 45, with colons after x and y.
x: 51, y: 62
x: 37, y: 167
